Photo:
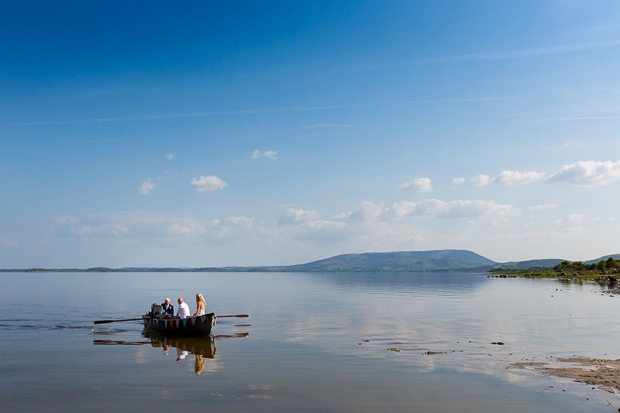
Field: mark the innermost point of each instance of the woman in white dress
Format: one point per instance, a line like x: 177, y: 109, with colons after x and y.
x: 200, y: 305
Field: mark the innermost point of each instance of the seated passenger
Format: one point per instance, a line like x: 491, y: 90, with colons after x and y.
x: 183, y: 309
x: 168, y: 308
x: 200, y: 305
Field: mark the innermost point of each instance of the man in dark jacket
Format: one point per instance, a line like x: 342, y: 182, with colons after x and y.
x: 168, y: 308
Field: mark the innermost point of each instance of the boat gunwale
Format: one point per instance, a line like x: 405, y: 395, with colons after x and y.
x: 192, y: 326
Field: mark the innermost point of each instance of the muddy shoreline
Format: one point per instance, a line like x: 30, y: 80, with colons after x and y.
x: 602, y: 373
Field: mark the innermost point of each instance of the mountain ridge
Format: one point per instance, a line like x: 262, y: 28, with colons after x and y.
x: 397, y: 261
x: 432, y: 260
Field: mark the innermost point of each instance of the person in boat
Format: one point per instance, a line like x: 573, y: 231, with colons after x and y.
x: 183, y: 309
x: 201, y: 305
x: 168, y: 308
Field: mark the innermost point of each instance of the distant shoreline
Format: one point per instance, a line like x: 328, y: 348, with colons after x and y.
x: 462, y: 261
x: 234, y: 269
x: 604, y: 272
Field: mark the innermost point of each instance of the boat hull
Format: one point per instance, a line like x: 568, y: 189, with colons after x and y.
x: 199, y: 326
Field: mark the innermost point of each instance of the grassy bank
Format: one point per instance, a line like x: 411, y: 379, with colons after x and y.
x: 607, y: 271
x: 586, y: 275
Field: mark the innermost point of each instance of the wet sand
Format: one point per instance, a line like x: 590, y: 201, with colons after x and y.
x: 605, y: 374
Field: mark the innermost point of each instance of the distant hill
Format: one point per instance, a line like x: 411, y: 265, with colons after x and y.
x: 398, y: 261
x: 517, y: 265
x: 420, y: 261
x: 603, y: 258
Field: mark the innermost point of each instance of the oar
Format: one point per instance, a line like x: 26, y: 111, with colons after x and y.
x: 234, y: 315
x: 114, y: 321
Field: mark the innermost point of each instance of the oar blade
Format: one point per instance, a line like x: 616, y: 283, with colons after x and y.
x: 116, y: 321
x: 234, y: 315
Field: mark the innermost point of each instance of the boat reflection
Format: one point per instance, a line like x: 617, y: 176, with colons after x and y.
x: 201, y: 347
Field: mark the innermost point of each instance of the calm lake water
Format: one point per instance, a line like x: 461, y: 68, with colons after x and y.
x: 313, y: 342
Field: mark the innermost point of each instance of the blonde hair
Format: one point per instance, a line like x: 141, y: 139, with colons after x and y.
x: 200, y: 298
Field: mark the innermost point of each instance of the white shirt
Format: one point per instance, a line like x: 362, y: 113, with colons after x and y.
x: 183, y: 310
x: 181, y: 354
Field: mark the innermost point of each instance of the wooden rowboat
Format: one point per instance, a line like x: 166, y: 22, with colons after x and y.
x: 198, y: 326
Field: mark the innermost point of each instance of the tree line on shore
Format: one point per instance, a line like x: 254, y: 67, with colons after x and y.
x: 603, y: 265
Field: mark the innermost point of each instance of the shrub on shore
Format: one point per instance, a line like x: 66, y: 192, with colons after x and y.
x: 603, y: 265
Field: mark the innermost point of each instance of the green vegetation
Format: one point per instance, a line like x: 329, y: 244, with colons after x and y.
x: 603, y: 266
x: 566, y: 269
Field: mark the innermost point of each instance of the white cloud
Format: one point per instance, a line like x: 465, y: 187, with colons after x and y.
x: 305, y: 225
x: 134, y: 225
x: 573, y: 144
x: 458, y: 181
x: 418, y: 185
x: 170, y: 156
x: 366, y: 222
x: 294, y: 216
x: 365, y: 211
x: 187, y: 227
x: 230, y: 227
x: 403, y: 209
x: 477, y: 208
x: 575, y: 219
x: 218, y: 228
x: 431, y: 207
x: 369, y: 212
x: 65, y: 219
x: 269, y: 154
x: 515, y: 178
x: 374, y: 223
x: 368, y: 226
x: 458, y: 209
x: 208, y: 183
x: 587, y: 173
x: 147, y: 187
x: 542, y: 207
x: 480, y: 180
x: 101, y: 225
x: 507, y: 178
x: 572, y: 219
x: 320, y: 230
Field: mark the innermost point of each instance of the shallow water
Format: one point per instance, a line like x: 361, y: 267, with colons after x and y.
x: 326, y: 342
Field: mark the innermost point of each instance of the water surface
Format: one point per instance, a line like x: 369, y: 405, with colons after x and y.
x: 313, y: 342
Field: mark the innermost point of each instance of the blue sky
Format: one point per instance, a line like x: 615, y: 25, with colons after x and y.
x: 220, y: 133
